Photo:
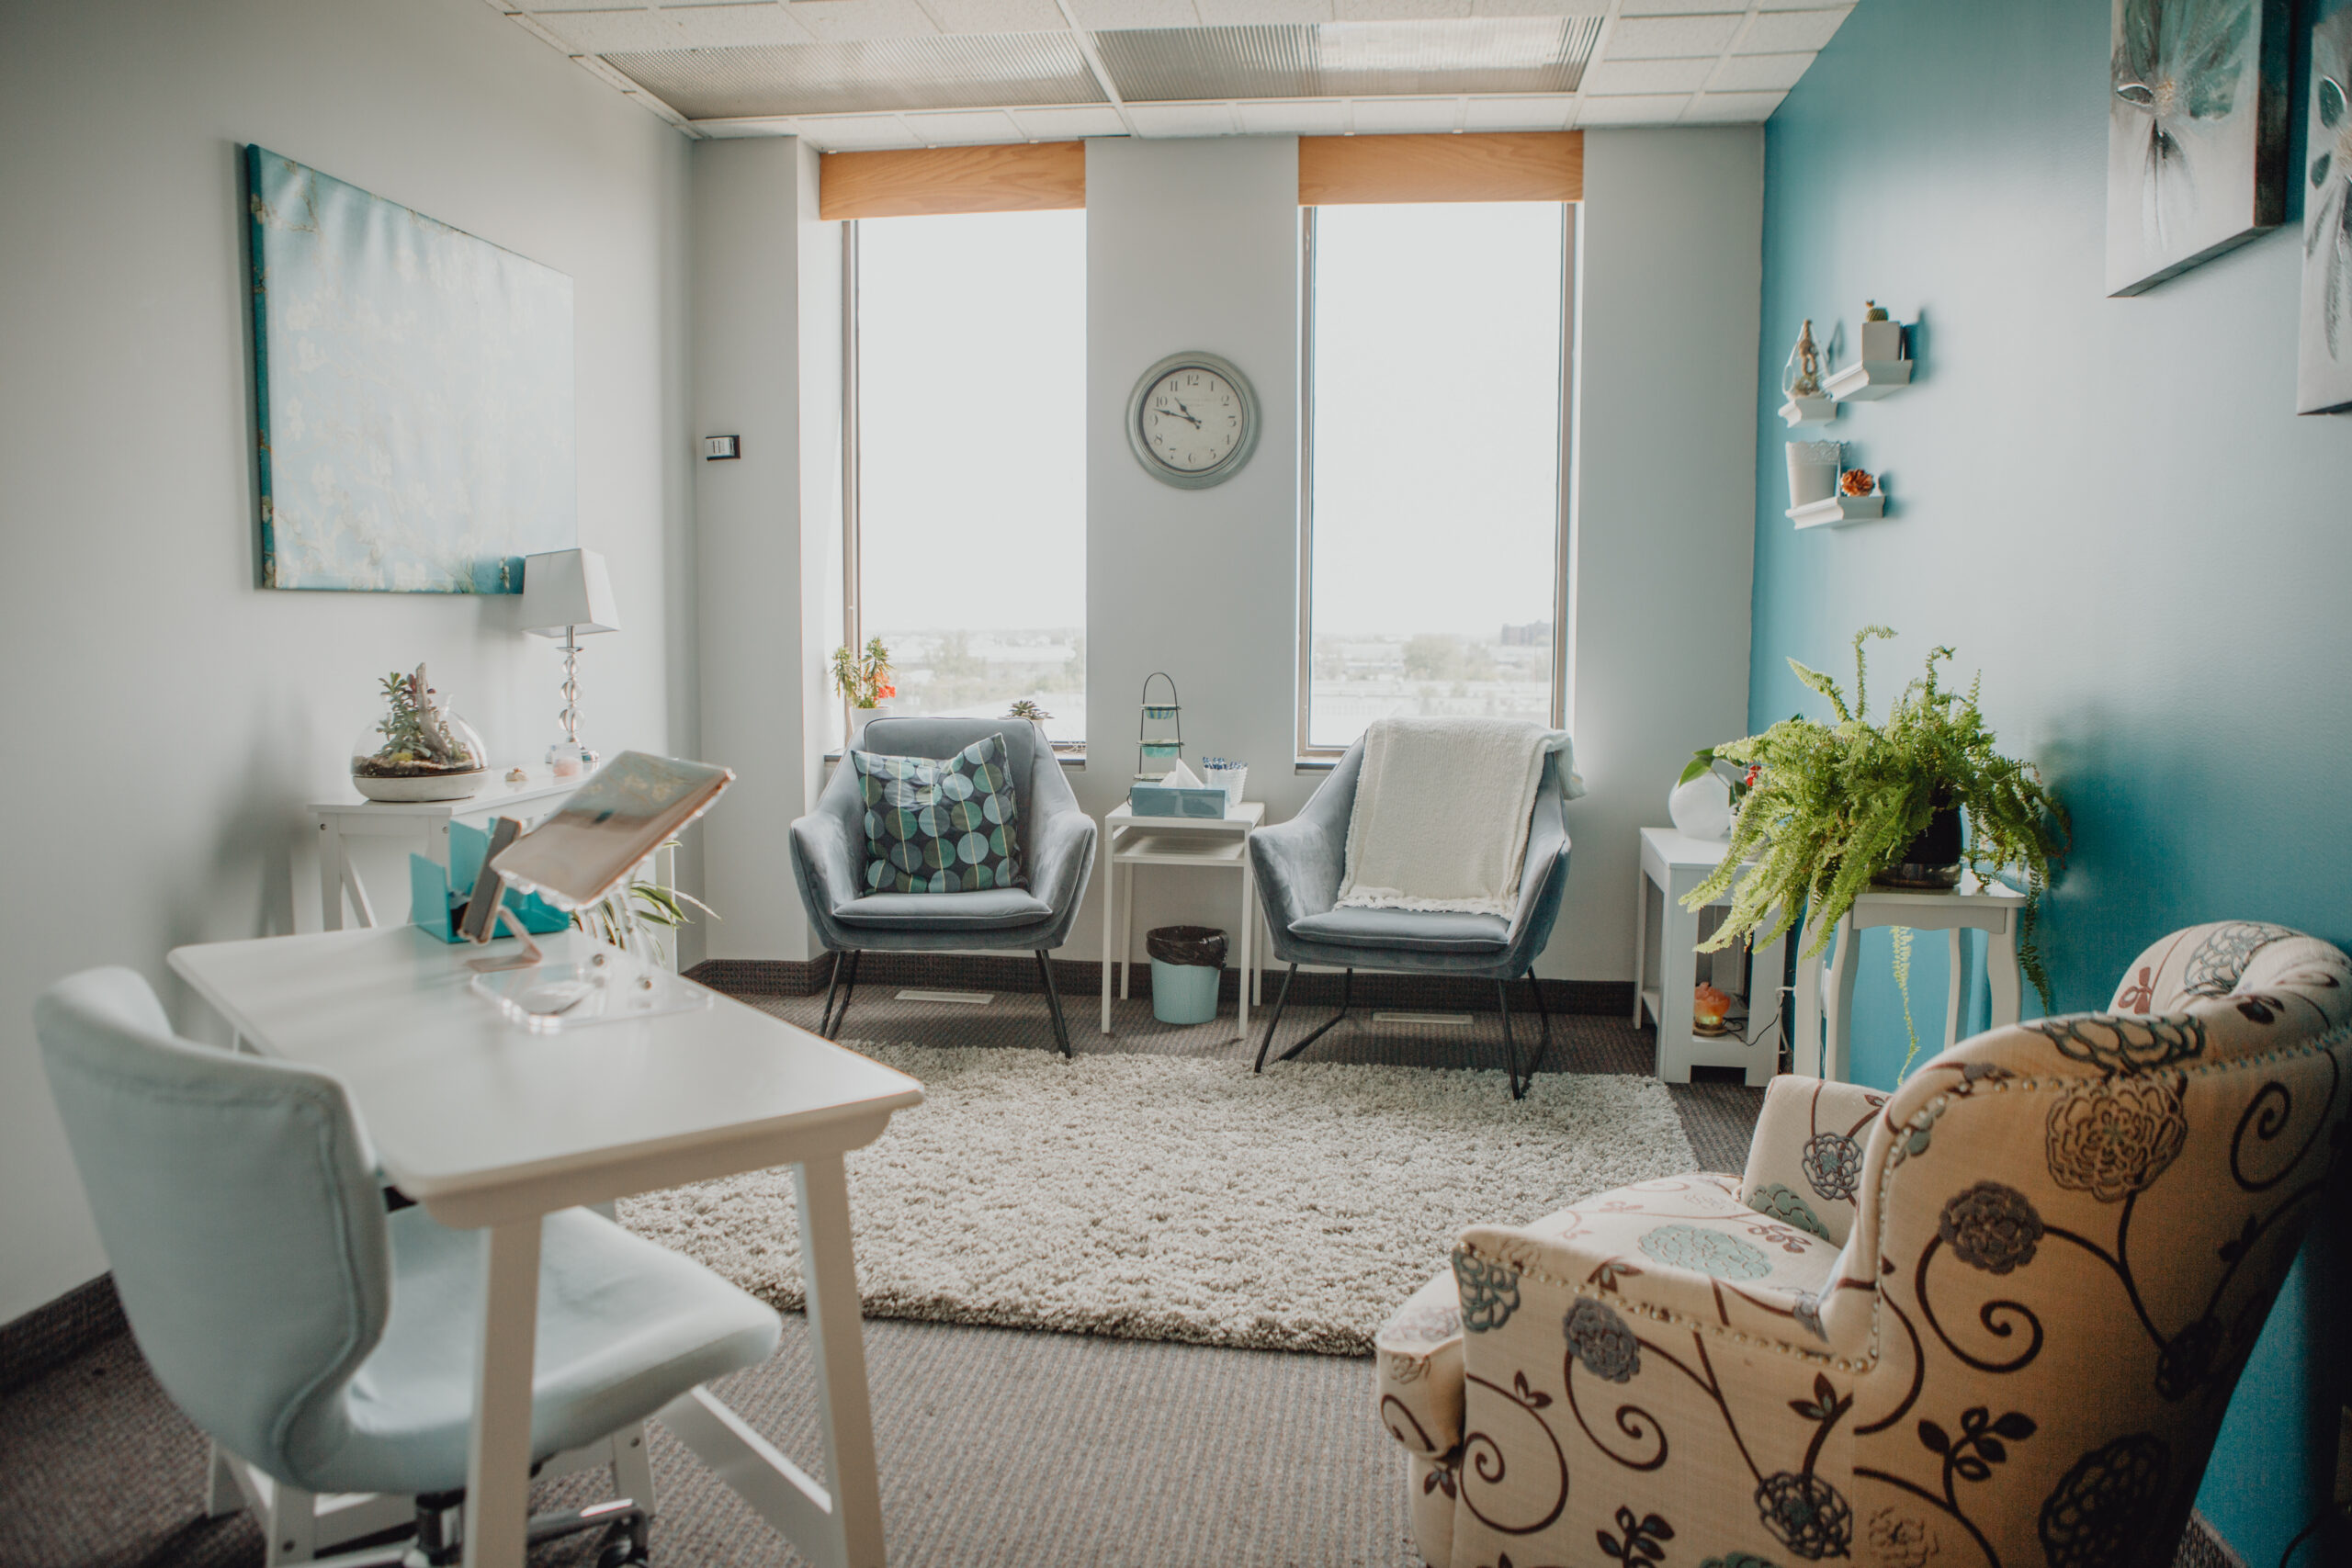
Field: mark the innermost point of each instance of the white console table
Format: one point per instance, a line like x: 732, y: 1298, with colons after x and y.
x: 1674, y: 863
x: 425, y: 825
x: 1825, y: 993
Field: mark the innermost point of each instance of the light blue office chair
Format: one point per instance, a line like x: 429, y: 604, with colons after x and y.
x: 1056, y: 843
x: 1299, y: 865
x: 330, y: 1346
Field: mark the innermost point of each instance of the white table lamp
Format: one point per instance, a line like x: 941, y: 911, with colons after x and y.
x: 566, y: 594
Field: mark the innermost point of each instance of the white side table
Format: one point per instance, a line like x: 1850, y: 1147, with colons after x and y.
x: 424, y: 823
x: 1676, y: 863
x: 1214, y: 842
x: 1826, y: 1002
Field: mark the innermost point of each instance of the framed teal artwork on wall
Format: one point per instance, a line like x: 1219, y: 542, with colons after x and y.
x: 413, y: 386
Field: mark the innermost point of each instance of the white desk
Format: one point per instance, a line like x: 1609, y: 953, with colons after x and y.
x: 1218, y: 843
x: 425, y: 822
x: 490, y: 1127
x: 1826, y: 1003
x: 1676, y: 863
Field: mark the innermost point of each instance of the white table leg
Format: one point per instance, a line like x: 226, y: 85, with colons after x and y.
x: 1110, y: 923
x: 1641, y: 935
x: 1678, y: 984
x: 1764, y: 967
x: 837, y: 1350
x: 498, y: 1461
x: 330, y: 876
x: 1955, y: 996
x: 1807, y: 1056
x: 1838, y: 1007
x: 2001, y: 972
x: 1127, y: 933
x: 1241, y: 979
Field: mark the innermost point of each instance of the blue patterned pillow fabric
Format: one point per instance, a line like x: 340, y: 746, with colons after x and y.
x: 940, y: 824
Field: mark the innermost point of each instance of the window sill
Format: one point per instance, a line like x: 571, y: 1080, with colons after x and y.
x: 1314, y: 765
x: 1071, y: 761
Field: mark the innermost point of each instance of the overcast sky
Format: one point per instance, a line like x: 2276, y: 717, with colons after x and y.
x: 1436, y: 438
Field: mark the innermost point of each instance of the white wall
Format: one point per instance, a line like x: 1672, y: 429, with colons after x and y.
x: 166, y: 720
x: 1195, y: 244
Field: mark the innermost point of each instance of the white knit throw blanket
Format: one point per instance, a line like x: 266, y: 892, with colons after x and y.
x: 1441, y: 813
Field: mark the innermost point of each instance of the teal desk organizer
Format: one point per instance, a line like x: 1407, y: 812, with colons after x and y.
x: 436, y: 897
x: 1159, y: 800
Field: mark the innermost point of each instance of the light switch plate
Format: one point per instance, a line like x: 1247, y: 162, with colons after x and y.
x: 715, y: 447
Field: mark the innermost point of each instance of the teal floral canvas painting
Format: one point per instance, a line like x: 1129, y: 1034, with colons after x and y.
x: 2196, y: 133
x: 2323, y: 370
x: 415, y: 393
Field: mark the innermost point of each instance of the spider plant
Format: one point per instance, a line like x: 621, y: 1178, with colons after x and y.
x: 640, y: 916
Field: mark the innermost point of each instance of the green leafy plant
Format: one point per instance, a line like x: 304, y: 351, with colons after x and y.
x: 1027, y: 709
x: 1833, y: 806
x: 418, y: 735
x: 641, y: 916
x: 864, y: 679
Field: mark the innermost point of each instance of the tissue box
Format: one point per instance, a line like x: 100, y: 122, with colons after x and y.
x: 1160, y: 800
x: 436, y: 897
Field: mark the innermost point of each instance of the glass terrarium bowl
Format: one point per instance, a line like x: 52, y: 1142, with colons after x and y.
x: 381, y: 772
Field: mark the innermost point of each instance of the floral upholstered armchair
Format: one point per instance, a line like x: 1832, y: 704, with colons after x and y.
x: 1993, y: 1318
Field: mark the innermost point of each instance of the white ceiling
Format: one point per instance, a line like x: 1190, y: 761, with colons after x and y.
x: 863, y: 74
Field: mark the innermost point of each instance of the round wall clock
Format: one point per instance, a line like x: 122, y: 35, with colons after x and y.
x: 1193, y: 420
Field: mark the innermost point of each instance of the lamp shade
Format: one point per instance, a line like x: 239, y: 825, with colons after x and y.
x: 568, y: 591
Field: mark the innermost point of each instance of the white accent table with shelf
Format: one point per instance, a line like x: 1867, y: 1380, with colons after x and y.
x: 424, y: 822
x: 1674, y: 863
x: 1217, y: 843
x: 1824, y: 995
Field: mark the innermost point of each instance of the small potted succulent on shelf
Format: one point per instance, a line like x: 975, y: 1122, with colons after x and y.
x: 865, y: 680
x: 420, y: 750
x: 1831, y: 808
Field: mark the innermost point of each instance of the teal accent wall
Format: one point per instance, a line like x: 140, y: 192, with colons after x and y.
x: 2108, y: 507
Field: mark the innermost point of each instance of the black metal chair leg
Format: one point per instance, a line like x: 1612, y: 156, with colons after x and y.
x: 1281, y: 1000
x: 1543, y: 1012
x: 1510, y: 1046
x: 825, y: 1020
x: 1053, y: 1003
x: 1347, y: 1000
x: 849, y: 989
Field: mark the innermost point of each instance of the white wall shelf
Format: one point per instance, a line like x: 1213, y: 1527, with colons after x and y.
x: 1809, y: 411
x: 1865, y: 380
x: 1838, y: 511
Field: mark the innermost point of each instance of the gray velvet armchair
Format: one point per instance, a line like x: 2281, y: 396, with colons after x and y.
x: 1299, y: 865
x: 1057, y: 848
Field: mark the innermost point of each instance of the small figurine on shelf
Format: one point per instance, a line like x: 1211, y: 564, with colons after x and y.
x: 1802, y: 376
x: 1857, y: 482
x: 1872, y: 310
x: 1881, y: 339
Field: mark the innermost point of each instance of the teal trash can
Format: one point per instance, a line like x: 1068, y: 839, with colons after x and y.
x: 1187, y: 962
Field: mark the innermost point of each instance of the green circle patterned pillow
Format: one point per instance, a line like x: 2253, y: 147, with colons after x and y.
x: 940, y: 824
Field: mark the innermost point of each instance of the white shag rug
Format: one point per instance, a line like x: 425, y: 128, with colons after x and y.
x: 1173, y: 1198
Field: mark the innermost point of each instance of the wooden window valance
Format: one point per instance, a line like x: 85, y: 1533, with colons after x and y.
x: 1037, y: 177
x: 1515, y: 165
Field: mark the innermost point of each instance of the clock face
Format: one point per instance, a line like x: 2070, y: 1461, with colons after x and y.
x: 1191, y: 419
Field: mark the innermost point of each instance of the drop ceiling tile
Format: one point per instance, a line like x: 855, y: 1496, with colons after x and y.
x: 1618, y: 76
x: 1294, y: 116
x: 1261, y: 13
x: 734, y: 27
x: 1135, y: 13
x: 1686, y: 7
x: 834, y: 21
x: 953, y: 128
x: 1654, y: 108
x: 598, y: 32
x: 536, y: 7
x: 855, y: 133
x: 1790, y: 5
x: 1758, y: 73
x: 1788, y: 32
x: 1539, y: 7
x: 1067, y: 124
x: 1519, y: 114
x: 994, y: 15
x: 1400, y: 10
x: 1393, y: 116
x: 1671, y: 38
x: 1182, y: 120
x: 1732, y: 108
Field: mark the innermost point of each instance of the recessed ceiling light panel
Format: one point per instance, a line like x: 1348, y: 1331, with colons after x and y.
x: 951, y: 72
x: 1536, y: 54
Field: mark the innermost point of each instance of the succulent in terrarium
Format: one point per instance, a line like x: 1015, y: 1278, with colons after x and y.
x: 418, y: 750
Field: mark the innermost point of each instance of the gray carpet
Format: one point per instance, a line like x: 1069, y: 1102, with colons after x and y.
x: 998, y: 1447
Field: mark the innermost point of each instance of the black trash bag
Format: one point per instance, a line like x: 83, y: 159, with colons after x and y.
x: 1200, y: 947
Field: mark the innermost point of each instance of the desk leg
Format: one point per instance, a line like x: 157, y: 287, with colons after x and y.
x: 498, y: 1461
x: 1838, y: 1007
x: 2001, y: 972
x: 330, y: 875
x: 837, y: 1349
x: 1110, y: 923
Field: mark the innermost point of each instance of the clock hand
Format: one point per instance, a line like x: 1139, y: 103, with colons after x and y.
x: 1182, y: 415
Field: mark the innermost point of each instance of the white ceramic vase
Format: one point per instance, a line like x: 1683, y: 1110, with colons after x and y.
x: 1702, y: 808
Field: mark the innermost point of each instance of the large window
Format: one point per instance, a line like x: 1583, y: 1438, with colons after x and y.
x: 1432, y: 570
x: 968, y: 523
